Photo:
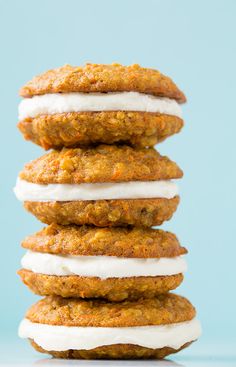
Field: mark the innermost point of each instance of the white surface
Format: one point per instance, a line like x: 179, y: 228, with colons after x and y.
x: 101, y: 266
x: 60, y: 338
x: 27, y: 191
x: 78, y: 102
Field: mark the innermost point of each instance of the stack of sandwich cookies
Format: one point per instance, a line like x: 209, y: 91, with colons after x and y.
x: 105, y: 273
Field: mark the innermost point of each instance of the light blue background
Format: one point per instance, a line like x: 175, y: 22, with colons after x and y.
x: 193, y: 42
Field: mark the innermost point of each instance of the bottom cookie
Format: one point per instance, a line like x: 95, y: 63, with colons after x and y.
x: 103, y: 213
x: 113, y: 289
x: 115, y: 351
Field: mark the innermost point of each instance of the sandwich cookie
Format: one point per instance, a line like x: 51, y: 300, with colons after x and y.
x: 101, y: 186
x: 111, y: 263
x: 98, y: 329
x: 78, y: 106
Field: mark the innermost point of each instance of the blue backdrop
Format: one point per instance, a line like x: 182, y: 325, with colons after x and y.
x: 193, y: 42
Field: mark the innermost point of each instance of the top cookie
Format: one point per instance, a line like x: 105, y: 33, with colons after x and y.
x: 101, y: 164
x: 165, y: 309
x: 103, y: 78
x: 92, y: 241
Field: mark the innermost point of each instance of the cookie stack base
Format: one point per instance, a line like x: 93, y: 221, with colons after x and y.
x: 99, y: 329
x: 116, y: 351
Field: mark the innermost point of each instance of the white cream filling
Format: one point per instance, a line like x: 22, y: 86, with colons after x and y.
x: 60, y: 338
x: 79, y: 102
x: 101, y: 266
x: 27, y: 191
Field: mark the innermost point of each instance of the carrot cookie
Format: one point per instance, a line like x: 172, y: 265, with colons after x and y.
x: 96, y: 329
x: 111, y: 263
x: 102, y: 186
x: 78, y: 106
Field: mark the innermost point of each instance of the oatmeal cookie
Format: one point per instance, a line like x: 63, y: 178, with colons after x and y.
x: 105, y: 213
x: 139, y: 129
x: 100, y: 164
x: 103, y: 78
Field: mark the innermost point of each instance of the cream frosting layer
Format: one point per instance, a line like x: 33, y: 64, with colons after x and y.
x: 27, y: 191
x: 61, y: 338
x: 101, y: 266
x: 79, y: 102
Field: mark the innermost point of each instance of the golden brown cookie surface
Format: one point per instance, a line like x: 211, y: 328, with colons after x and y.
x: 102, y: 78
x: 73, y: 129
x: 164, y: 309
x: 93, y: 241
x: 101, y: 164
x: 112, y: 289
x: 105, y: 213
